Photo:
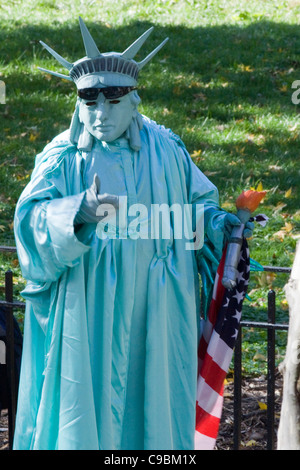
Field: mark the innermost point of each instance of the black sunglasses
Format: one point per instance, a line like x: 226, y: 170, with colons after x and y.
x: 110, y: 92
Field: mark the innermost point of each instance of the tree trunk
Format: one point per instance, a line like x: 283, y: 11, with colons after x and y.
x: 289, y: 425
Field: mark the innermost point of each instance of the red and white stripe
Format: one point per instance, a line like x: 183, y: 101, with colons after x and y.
x: 214, y: 357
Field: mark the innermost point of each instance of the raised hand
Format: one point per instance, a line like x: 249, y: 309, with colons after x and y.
x: 89, y: 210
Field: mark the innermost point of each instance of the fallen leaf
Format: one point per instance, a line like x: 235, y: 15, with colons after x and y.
x: 284, y: 304
x: 279, y: 207
x: 195, y: 84
x: 283, y: 88
x: 228, y: 380
x: 280, y: 234
x: 270, y: 277
x: 259, y: 357
x: 250, y: 443
x: 21, y: 177
x: 250, y: 138
x: 288, y: 193
x: 211, y: 173
x: 33, y: 137
x: 288, y: 227
x: 262, y: 405
x: 196, y: 153
x: 275, y: 167
x: 294, y: 128
x: 245, y: 68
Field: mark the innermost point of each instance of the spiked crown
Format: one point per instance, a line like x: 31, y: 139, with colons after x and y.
x: 103, y: 69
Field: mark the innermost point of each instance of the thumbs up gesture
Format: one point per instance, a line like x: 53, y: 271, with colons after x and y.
x: 92, y: 200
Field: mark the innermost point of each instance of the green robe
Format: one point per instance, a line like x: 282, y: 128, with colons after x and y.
x: 111, y: 325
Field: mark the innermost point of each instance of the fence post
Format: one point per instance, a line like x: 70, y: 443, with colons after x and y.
x: 10, y: 356
x: 271, y: 373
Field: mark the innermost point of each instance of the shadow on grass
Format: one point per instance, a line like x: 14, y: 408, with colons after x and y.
x: 204, y: 78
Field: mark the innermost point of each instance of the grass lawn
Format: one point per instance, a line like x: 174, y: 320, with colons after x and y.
x: 223, y: 83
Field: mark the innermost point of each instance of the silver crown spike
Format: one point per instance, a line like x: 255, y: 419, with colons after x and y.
x: 91, y: 49
x: 132, y: 50
x: 58, y: 57
x: 56, y: 74
x: 92, y: 64
x: 149, y: 56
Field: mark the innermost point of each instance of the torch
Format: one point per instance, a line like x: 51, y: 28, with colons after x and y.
x: 246, y: 203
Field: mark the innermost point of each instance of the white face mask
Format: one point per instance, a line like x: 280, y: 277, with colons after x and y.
x: 107, y: 119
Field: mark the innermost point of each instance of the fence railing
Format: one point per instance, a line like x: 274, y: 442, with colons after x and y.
x: 9, y: 304
x: 270, y: 325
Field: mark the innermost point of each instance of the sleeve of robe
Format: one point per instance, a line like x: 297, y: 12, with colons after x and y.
x: 44, y: 227
x: 44, y: 224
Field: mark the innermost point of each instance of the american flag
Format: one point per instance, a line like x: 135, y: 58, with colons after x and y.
x: 216, y: 349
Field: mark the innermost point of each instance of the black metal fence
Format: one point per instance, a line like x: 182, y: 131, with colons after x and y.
x: 10, y: 305
x: 271, y: 326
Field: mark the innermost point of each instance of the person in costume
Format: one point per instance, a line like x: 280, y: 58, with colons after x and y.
x: 112, y: 318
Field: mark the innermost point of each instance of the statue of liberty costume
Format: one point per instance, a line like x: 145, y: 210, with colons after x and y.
x: 112, y: 323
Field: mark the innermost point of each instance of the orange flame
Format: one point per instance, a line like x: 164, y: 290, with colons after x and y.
x: 250, y: 199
